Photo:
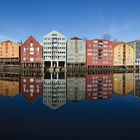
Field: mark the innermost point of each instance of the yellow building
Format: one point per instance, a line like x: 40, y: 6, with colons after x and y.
x: 9, y: 88
x: 124, y: 54
x: 9, y: 52
x: 123, y: 83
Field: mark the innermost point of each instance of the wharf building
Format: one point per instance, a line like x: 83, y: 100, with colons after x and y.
x: 124, y: 55
x: 54, y: 51
x: 99, y: 53
x: 31, y: 53
x: 76, y: 52
x: 9, y: 53
x: 136, y: 45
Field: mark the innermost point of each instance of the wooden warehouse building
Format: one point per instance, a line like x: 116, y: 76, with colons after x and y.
x: 99, y: 53
x: 31, y: 53
x: 124, y: 55
x: 9, y: 53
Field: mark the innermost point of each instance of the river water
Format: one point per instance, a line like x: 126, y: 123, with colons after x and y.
x: 67, y: 106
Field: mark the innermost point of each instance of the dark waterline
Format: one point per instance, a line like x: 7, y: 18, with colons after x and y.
x: 113, y: 113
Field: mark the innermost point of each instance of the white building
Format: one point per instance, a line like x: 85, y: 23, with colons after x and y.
x: 76, y: 51
x: 136, y: 45
x: 54, y: 94
x: 54, y: 52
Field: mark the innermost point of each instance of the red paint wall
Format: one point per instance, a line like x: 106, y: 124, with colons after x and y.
x: 93, y: 50
x: 27, y: 84
x: 27, y: 54
x: 93, y: 86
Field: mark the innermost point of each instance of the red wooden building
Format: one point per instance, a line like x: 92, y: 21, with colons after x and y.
x: 99, y: 86
x: 31, y: 53
x: 31, y: 88
x: 99, y: 53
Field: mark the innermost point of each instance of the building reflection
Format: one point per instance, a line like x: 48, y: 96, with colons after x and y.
x: 57, y: 88
x: 76, y: 88
x: 54, y: 95
x: 31, y: 88
x: 99, y: 86
x: 137, y: 84
x: 9, y: 86
x: 123, y: 83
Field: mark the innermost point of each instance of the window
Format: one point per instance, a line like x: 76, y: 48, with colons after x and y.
x: 31, y: 80
x: 31, y: 59
x: 31, y: 49
x: 38, y: 49
x: 31, y: 44
x: 24, y: 49
x: 31, y: 53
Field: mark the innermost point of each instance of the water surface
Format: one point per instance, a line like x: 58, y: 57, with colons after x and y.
x: 60, y: 106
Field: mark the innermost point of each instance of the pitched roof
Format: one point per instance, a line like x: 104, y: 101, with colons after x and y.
x: 9, y: 41
x: 31, y: 38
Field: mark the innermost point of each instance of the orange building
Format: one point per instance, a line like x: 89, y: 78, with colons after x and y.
x: 9, y: 88
x: 9, y: 52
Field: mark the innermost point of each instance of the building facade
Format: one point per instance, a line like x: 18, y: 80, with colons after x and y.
x: 99, y: 86
x: 123, y: 83
x: 54, y: 94
x: 76, y: 51
x: 31, y: 52
x: 31, y: 88
x: 136, y: 45
x: 99, y: 53
x: 123, y: 54
x: 54, y: 52
x: 9, y: 52
x: 76, y: 88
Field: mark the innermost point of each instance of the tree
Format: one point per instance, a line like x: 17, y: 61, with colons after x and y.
x: 107, y: 37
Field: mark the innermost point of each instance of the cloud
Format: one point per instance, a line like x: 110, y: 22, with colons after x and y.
x: 5, y: 37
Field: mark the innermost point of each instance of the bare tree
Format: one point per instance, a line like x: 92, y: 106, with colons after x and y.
x: 107, y: 37
x: 115, y: 40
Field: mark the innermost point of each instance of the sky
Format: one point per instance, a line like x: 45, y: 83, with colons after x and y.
x: 89, y: 19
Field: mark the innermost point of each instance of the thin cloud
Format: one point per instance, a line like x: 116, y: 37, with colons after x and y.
x: 5, y: 37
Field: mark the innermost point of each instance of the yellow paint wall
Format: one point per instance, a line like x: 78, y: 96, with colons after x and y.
x: 123, y: 86
x: 9, y: 49
x: 118, y: 55
x: 9, y: 88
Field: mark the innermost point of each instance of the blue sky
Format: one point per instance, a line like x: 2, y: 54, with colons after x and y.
x: 83, y: 18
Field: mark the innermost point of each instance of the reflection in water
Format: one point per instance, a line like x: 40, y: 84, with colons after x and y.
x: 123, y: 83
x: 137, y: 84
x: 54, y: 95
x: 76, y: 88
x: 31, y: 88
x: 99, y: 86
x: 57, y: 88
x: 9, y: 87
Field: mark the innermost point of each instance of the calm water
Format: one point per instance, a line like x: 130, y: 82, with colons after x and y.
x: 60, y: 106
